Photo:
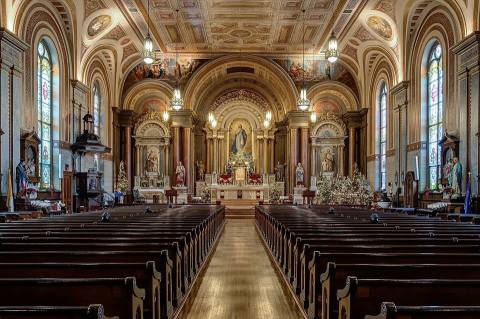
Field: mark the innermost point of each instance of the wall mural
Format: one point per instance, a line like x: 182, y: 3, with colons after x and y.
x: 152, y: 105
x: 317, y: 71
x: 327, y: 106
x: 166, y: 69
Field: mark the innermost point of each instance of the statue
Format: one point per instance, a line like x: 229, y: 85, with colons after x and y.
x: 328, y: 163
x: 240, y: 140
x: 300, y: 174
x: 21, y: 179
x: 280, y: 172
x: 447, y: 172
x: 180, y: 174
x: 152, y: 162
x: 201, y: 170
x: 456, y: 176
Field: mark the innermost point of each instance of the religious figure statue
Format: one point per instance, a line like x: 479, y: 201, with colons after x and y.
x: 240, y: 140
x: 456, y: 176
x: 180, y: 174
x: 300, y: 175
x: 21, y: 179
x: 447, y: 171
x: 280, y: 172
x: 328, y: 163
x: 201, y: 170
x: 152, y: 162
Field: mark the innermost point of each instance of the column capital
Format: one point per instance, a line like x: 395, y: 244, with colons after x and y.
x: 182, y: 118
x: 356, y: 119
x: 297, y: 119
x: 400, y: 95
x: 12, y: 49
x: 468, y: 51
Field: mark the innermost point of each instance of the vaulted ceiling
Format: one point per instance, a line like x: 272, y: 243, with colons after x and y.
x: 253, y: 26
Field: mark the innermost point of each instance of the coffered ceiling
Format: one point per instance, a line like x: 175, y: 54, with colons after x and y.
x: 251, y: 26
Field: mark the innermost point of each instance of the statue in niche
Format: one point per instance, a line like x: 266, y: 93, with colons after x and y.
x: 447, y: 172
x: 240, y: 140
x: 328, y: 163
x: 152, y: 162
x: 280, y: 172
x: 180, y: 175
x: 300, y: 175
x: 456, y: 176
x: 200, y: 170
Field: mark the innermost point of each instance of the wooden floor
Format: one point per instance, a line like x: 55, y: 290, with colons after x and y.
x: 240, y: 281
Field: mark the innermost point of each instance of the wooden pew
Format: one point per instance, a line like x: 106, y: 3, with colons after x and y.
x: 390, y: 311
x: 362, y: 296
x: 156, y: 304
x: 323, y: 296
x: 49, y: 312
x: 119, y: 296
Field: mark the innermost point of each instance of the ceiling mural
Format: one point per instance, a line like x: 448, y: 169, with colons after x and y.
x: 381, y: 27
x: 152, y: 105
x: 327, y: 106
x: 166, y: 69
x: 98, y: 25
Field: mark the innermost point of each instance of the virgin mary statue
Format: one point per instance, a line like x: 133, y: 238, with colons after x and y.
x: 240, y: 140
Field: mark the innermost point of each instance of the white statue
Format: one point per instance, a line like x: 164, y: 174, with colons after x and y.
x: 456, y: 176
x: 328, y: 163
x: 180, y: 174
x: 240, y: 140
x: 152, y: 162
x: 300, y: 175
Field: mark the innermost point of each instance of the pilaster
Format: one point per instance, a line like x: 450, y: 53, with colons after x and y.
x: 400, y: 105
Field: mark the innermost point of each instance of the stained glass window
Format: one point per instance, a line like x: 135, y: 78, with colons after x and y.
x: 44, y: 105
x: 434, y: 113
x: 97, y: 105
x: 382, y: 135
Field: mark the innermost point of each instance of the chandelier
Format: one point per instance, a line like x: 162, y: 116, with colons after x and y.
x: 303, y: 102
x: 177, y: 101
x: 147, y: 42
x: 332, y: 51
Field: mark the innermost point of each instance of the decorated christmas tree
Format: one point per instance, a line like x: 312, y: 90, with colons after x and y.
x: 122, y: 181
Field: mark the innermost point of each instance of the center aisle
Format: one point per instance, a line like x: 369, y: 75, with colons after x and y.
x: 240, y: 281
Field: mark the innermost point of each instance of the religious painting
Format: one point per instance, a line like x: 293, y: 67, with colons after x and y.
x: 164, y: 69
x: 98, y: 25
x: 327, y: 106
x: 152, y: 160
x: 327, y: 155
x: 381, y: 27
x: 152, y: 105
x: 240, y: 137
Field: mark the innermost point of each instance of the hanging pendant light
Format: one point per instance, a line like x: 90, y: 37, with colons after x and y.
x: 332, y: 52
x: 177, y: 100
x: 313, y: 117
x: 303, y: 102
x: 165, y: 116
x: 147, y: 42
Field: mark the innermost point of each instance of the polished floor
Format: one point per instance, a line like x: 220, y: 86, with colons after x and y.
x: 240, y: 281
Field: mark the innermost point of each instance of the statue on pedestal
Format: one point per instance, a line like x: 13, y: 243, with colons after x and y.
x: 21, y: 179
x: 280, y: 172
x: 299, y: 175
x: 200, y: 170
x: 456, y: 176
x: 180, y: 174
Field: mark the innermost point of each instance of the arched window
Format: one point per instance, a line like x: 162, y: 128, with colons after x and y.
x: 45, y: 113
x: 382, y: 135
x: 434, y: 113
x: 97, y: 106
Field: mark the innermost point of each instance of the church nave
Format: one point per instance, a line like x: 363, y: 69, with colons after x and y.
x: 240, y: 281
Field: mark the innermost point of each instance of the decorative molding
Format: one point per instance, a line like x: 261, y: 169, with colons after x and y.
x: 422, y: 145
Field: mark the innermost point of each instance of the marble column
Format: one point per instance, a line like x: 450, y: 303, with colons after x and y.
x: 128, y: 154
x: 186, y: 143
x: 400, y: 141
x: 305, y: 154
x: 351, y: 150
x: 292, y: 158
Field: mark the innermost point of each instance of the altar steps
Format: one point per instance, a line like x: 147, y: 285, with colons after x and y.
x: 240, y: 208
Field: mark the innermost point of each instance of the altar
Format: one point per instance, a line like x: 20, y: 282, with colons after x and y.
x: 233, y: 192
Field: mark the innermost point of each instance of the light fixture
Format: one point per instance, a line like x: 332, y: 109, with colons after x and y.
x: 313, y: 117
x: 165, y: 116
x: 266, y: 123
x: 147, y: 42
x: 177, y: 101
x: 268, y: 116
x: 303, y: 102
x: 332, y: 51
x: 210, y: 117
x: 214, y: 123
